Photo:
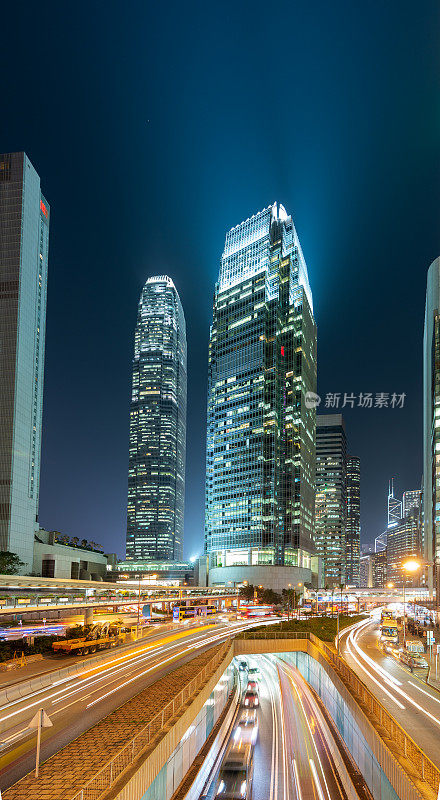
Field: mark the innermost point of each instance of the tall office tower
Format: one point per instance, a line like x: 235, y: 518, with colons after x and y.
x: 260, y: 469
x: 404, y: 543
x: 331, y: 498
x: 394, y: 507
x: 24, y: 245
x: 156, y: 477
x: 411, y: 499
x: 431, y: 421
x: 353, y: 525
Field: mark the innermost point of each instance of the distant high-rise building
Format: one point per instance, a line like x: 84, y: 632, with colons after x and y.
x: 260, y: 463
x: 394, y: 507
x: 366, y: 570
x: 431, y: 421
x: 404, y: 543
x: 24, y: 246
x: 331, y: 498
x: 353, y: 524
x: 411, y: 499
x: 156, y: 477
x: 380, y: 569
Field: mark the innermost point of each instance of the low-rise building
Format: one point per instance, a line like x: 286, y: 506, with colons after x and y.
x: 56, y: 556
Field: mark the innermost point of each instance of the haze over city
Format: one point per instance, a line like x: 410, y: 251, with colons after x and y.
x: 153, y: 142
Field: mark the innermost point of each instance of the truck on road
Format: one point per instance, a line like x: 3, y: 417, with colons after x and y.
x: 100, y: 637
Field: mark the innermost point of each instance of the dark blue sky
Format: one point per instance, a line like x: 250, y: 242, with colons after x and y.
x: 155, y: 127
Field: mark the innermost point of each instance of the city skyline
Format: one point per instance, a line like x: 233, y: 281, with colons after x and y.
x: 353, y: 185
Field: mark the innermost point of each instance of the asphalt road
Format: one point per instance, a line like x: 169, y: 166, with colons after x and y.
x: 74, y: 704
x: 411, y: 701
x: 292, y: 756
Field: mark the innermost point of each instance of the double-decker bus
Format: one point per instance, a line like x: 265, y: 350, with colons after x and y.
x: 188, y: 612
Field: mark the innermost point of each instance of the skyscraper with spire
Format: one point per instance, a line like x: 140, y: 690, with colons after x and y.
x: 156, y: 478
x: 260, y: 456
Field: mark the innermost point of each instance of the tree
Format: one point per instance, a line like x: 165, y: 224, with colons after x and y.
x: 247, y: 592
x: 75, y: 541
x: 269, y: 597
x: 10, y: 563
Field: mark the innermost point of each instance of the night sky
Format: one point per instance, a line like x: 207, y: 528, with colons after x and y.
x: 155, y: 127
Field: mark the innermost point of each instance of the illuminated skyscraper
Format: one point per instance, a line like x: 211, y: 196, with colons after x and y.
x: 156, y: 478
x: 431, y: 421
x: 24, y: 246
x: 331, y: 498
x: 260, y: 469
x: 353, y: 525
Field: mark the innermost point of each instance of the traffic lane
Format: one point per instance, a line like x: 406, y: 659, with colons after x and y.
x: 117, y: 669
x: 72, y: 723
x: 281, y: 756
x: 83, y: 708
x: 52, y: 662
x: 314, y: 771
x: 266, y: 760
x: 414, y: 704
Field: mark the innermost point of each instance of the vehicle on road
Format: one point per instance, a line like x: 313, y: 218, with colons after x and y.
x: 254, y: 672
x: 247, y: 727
x: 389, y: 631
x: 413, y: 660
x: 414, y: 646
x: 252, y: 686
x: 236, y: 773
x: 100, y: 637
x: 251, y: 699
x: 243, y: 665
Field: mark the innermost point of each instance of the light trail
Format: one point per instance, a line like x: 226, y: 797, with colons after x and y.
x: 391, y: 681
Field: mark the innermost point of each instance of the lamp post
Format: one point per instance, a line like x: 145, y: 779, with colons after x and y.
x: 407, y: 567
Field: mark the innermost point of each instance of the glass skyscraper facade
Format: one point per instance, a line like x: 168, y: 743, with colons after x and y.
x: 431, y: 422
x: 260, y: 459
x: 353, y: 526
x: 156, y: 478
x: 331, y: 497
x: 24, y: 246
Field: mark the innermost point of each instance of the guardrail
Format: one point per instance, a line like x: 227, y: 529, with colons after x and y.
x: 423, y: 766
x: 104, y: 779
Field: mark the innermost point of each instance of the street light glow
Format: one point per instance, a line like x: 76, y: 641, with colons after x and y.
x: 411, y: 566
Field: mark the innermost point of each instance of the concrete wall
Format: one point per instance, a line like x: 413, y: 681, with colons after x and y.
x: 386, y: 778
x: 63, y: 556
x: 271, y: 577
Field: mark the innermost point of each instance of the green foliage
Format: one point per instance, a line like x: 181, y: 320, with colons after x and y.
x: 10, y: 563
x: 323, y: 627
x: 77, y: 631
x: 42, y: 644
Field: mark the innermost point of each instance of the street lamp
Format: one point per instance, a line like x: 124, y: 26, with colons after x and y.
x: 407, y: 567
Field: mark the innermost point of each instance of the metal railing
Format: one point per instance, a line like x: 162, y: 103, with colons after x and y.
x: 424, y: 768
x: 106, y: 776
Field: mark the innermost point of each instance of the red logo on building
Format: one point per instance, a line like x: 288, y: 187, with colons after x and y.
x: 43, y: 208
